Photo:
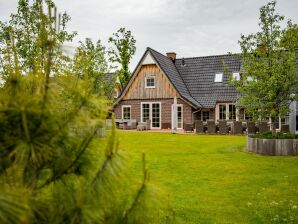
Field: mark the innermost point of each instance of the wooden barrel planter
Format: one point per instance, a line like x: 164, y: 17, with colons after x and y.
x: 272, y: 147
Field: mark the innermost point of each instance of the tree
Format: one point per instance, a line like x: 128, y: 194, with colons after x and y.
x: 123, y: 51
x: 53, y: 166
x: 269, y: 82
x: 90, y: 62
x: 34, y: 33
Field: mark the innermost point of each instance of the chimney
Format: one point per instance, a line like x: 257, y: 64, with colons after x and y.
x: 172, y: 56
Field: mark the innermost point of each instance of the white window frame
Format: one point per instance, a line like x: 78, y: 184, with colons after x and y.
x: 218, y: 77
x: 150, y: 113
x: 150, y: 87
x: 182, y: 118
x: 126, y: 106
x: 227, y: 112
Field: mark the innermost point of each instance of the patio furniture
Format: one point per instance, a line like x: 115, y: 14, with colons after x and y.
x: 132, y: 124
x: 263, y: 127
x: 141, y: 127
x: 285, y: 128
x: 251, y: 128
x: 211, y: 128
x: 188, y: 127
x: 237, y: 128
x: 223, y: 127
x: 199, y: 127
x: 148, y: 124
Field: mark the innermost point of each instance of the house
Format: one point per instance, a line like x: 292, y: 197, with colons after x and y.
x: 199, y: 84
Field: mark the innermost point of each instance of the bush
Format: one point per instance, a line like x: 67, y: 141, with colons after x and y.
x: 275, y: 135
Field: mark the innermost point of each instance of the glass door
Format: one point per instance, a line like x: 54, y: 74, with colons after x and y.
x: 155, y: 121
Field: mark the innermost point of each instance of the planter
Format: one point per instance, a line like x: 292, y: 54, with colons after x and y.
x: 272, y: 147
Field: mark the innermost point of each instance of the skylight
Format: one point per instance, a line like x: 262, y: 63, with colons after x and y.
x: 236, y: 76
x: 218, y: 77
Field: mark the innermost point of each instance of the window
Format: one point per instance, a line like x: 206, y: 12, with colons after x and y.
x: 152, y: 112
x: 149, y: 82
x: 179, y: 116
x: 236, y: 76
x: 232, y: 112
x: 226, y: 111
x: 218, y: 77
x: 222, y: 112
x: 249, y: 78
x: 247, y: 116
x: 145, y: 112
x: 205, y: 115
x: 126, y: 112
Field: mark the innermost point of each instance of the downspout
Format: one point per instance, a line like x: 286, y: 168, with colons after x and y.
x: 193, y: 118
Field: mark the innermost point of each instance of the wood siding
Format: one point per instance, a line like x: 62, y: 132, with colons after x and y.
x: 163, y: 88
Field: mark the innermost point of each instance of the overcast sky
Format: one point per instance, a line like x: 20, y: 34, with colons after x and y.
x: 188, y: 27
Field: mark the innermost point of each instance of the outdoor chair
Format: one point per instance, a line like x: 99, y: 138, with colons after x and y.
x: 251, y: 128
x: 211, y: 128
x: 199, y: 127
x: 132, y: 124
x: 284, y: 128
x: 148, y: 124
x: 237, y: 128
x: 141, y: 126
x: 223, y: 127
x: 188, y: 127
x: 263, y: 127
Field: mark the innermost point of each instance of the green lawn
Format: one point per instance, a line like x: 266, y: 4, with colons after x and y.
x: 212, y: 179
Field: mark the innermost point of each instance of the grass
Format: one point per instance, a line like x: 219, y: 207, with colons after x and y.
x: 212, y: 179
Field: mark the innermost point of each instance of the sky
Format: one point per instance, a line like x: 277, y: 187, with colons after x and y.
x: 190, y: 28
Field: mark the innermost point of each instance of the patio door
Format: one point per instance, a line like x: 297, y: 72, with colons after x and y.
x: 152, y: 112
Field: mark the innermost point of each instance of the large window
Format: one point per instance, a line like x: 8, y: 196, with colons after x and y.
x: 126, y: 112
x: 151, y: 111
x: 222, y: 112
x: 150, y: 82
x: 205, y: 115
x: 179, y: 115
x: 226, y: 111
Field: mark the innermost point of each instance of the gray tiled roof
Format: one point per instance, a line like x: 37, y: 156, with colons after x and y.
x: 172, y: 73
x: 198, y: 75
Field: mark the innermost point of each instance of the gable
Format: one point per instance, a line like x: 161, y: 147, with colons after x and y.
x: 148, y: 60
x: 163, y: 88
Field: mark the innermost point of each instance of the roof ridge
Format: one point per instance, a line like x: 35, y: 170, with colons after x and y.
x: 208, y: 56
x: 174, y: 65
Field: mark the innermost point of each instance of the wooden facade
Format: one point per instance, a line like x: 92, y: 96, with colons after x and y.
x: 163, y: 88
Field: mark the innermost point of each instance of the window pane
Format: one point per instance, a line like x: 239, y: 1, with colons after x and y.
x: 155, y: 115
x: 150, y: 82
x: 218, y: 77
x: 126, y: 112
x: 205, y: 115
x: 145, y: 112
x: 232, y: 112
x: 222, y: 112
x: 179, y: 113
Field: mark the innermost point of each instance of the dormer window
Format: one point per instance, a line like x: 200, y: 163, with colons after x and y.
x: 218, y: 77
x: 236, y: 76
x: 150, y: 82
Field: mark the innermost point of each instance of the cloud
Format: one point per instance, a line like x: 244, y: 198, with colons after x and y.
x: 188, y: 27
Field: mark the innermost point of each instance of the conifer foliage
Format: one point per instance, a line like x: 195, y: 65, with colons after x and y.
x: 53, y: 166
